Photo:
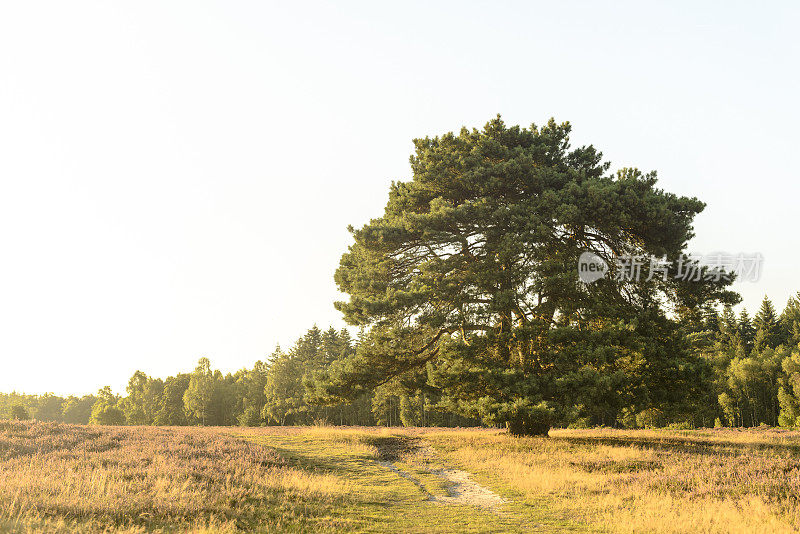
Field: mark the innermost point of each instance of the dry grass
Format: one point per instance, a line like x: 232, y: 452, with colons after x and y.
x: 65, y: 477
x: 649, y: 481
x: 138, y: 479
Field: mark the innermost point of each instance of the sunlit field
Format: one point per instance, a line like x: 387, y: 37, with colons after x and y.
x: 67, y: 478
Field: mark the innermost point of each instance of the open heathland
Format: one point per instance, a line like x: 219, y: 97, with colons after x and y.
x: 72, y: 478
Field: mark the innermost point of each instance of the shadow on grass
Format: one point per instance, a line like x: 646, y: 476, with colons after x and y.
x: 682, y: 444
x: 393, y: 448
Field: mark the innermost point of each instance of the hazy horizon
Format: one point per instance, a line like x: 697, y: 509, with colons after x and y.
x: 177, y: 179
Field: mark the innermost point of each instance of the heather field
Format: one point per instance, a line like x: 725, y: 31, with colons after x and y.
x: 70, y: 478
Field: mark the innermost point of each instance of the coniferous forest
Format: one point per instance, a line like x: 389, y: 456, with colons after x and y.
x: 745, y: 373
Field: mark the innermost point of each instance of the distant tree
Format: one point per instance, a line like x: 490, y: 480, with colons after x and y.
x: 650, y: 418
x: 728, y: 345
x: 767, y: 327
x: 729, y: 409
x: 104, y: 414
x: 251, y: 386
x: 412, y: 408
x: 78, y: 410
x: 746, y: 330
x: 386, y: 405
x: 19, y: 413
x: 143, y: 400
x: 106, y: 410
x: 789, y: 390
x: 200, y: 393
x: 790, y: 322
x: 8, y: 400
x: 171, y: 411
x: 50, y: 408
x: 728, y: 335
x: 753, y: 383
x: 223, y: 407
x: 284, y: 389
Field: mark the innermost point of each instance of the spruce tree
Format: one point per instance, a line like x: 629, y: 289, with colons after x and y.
x: 790, y: 322
x: 746, y: 330
x: 766, y: 326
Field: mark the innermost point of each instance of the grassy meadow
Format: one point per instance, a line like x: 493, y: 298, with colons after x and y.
x: 72, y: 478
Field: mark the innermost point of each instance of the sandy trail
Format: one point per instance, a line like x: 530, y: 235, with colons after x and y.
x: 461, y: 488
x: 464, y: 490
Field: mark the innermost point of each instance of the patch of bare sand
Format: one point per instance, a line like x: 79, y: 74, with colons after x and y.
x: 461, y: 488
x: 464, y: 490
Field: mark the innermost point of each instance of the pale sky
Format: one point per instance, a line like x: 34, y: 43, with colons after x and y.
x: 176, y: 178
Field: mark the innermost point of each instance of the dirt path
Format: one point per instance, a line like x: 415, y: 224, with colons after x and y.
x: 461, y: 488
x: 464, y: 490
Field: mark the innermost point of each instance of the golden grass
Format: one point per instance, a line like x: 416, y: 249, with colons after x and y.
x: 649, y: 481
x: 64, y: 477
x: 71, y: 478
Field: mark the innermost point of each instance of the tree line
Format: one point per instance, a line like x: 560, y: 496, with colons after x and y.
x: 752, y: 366
x: 747, y: 372
x: 277, y: 391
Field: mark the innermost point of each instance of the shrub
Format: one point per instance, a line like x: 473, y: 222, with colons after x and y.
x: 627, y: 418
x: 681, y: 425
x: 106, y: 414
x: 251, y: 416
x: 650, y: 418
x: 19, y: 413
x: 532, y: 421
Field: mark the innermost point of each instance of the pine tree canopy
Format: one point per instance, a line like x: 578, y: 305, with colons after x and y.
x: 468, y: 282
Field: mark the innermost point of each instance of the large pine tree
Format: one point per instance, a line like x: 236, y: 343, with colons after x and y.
x: 469, y: 283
